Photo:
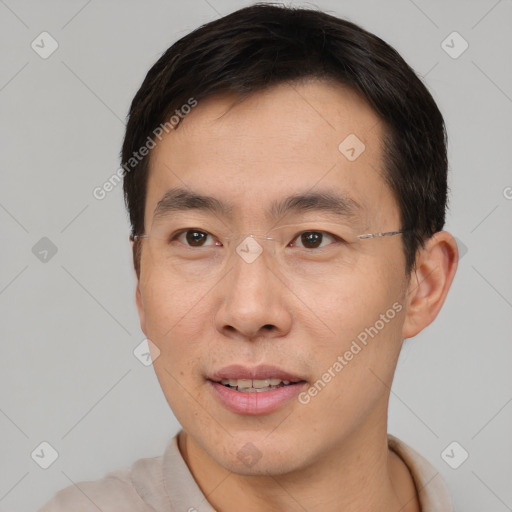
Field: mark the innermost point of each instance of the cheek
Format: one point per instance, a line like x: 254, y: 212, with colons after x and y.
x: 177, y: 319
x: 364, y: 316
x: 170, y: 305
x: 344, y: 307
x: 353, y: 373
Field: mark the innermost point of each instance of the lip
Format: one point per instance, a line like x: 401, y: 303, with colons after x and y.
x: 256, y: 403
x: 236, y: 371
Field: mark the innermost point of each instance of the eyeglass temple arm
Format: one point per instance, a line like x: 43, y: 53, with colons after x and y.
x: 135, y: 238
x: 377, y: 235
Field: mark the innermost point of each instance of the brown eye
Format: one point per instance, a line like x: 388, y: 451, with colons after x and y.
x: 311, y: 239
x: 315, y: 239
x: 193, y: 238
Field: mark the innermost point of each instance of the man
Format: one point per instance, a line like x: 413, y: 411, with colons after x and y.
x: 286, y: 180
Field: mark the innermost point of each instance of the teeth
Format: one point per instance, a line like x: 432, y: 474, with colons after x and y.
x: 244, y: 383
x: 254, y: 384
x: 258, y: 383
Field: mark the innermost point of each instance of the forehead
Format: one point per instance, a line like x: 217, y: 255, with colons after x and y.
x: 273, y: 145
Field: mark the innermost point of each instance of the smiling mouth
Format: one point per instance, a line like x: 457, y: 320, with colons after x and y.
x: 257, y: 385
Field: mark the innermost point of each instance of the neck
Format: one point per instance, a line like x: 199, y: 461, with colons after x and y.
x: 361, y: 473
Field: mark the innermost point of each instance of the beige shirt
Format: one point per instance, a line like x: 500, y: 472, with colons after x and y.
x: 163, y: 484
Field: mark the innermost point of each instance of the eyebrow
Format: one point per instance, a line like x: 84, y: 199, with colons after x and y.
x: 180, y: 199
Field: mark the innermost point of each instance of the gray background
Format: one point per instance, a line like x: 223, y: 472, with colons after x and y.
x: 69, y: 324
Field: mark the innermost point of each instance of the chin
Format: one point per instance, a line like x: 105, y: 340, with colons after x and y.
x: 257, y: 455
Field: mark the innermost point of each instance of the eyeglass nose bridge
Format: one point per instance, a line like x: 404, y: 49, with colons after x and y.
x: 249, y: 249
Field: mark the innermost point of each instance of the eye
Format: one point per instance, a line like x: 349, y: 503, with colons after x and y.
x: 193, y: 238
x: 315, y: 239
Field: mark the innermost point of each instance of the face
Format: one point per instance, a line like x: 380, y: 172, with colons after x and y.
x: 305, y: 307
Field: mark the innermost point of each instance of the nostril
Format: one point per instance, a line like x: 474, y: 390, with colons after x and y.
x: 269, y: 327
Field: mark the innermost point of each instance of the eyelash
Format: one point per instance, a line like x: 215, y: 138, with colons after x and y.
x: 336, y: 238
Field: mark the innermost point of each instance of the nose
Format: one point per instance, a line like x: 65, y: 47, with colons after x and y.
x: 254, y: 300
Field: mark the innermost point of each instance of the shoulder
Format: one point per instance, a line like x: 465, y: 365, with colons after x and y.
x: 138, y: 489
x: 432, y: 491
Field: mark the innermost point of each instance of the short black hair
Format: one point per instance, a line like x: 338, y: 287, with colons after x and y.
x: 263, y: 45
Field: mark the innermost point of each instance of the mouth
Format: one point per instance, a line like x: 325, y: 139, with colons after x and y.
x: 255, y: 379
x: 257, y: 385
x: 254, y: 391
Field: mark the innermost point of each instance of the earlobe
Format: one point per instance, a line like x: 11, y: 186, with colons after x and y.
x: 430, y: 281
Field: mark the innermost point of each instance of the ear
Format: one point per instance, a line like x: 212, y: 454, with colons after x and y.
x: 138, y: 295
x: 140, y: 308
x: 430, y: 281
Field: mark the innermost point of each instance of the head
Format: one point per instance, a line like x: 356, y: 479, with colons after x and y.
x: 274, y: 106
